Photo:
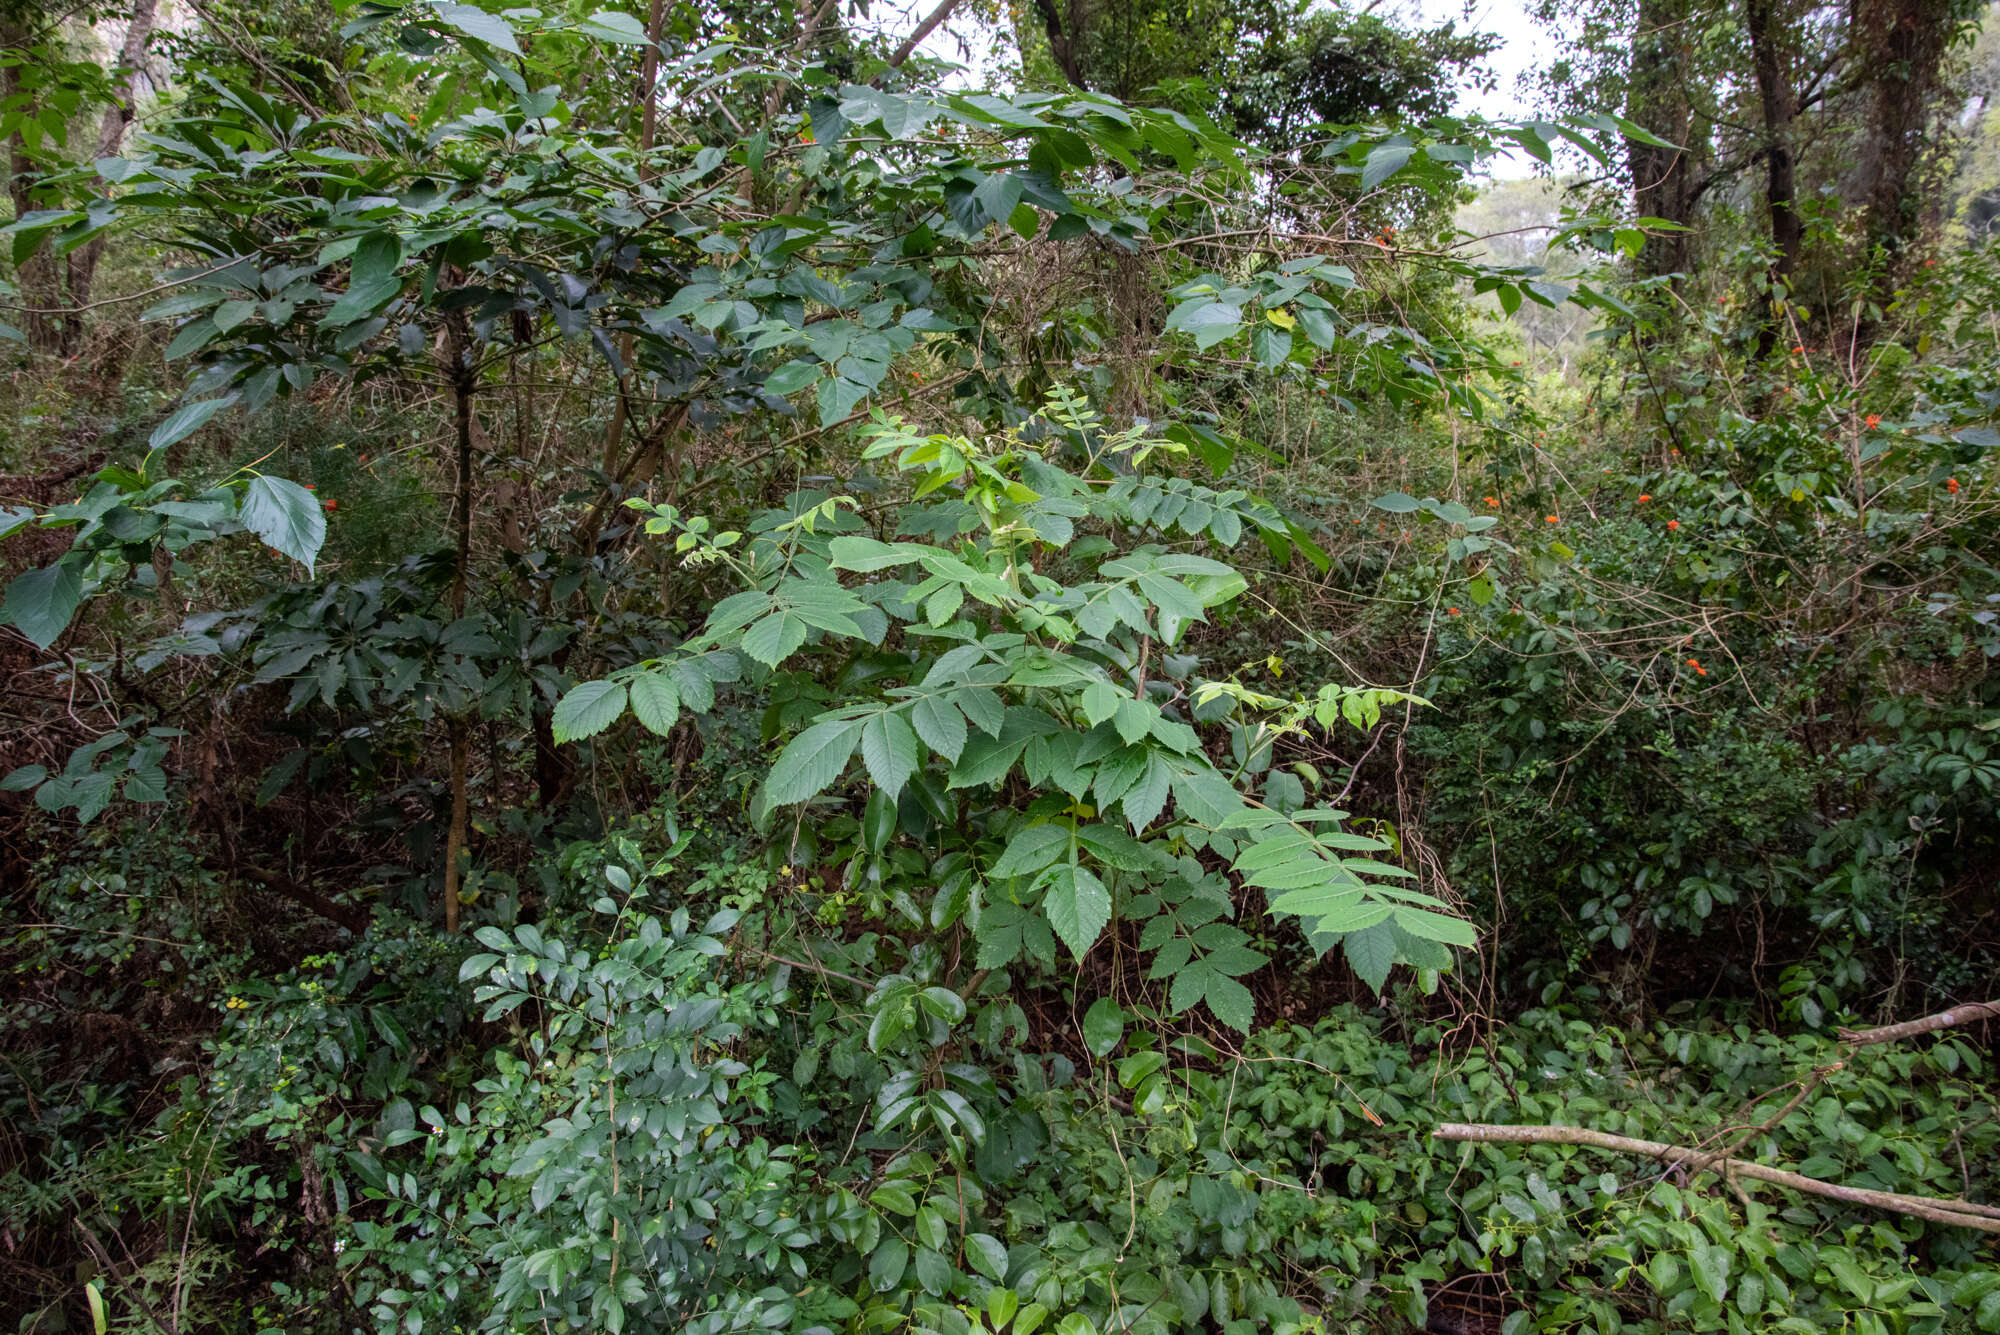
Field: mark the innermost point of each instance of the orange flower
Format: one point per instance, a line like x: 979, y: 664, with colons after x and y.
x: 1644, y: 497
x: 1951, y: 485
x: 1493, y: 502
x: 1699, y: 669
x: 1552, y: 519
x: 1673, y: 523
x: 311, y: 487
x: 330, y: 506
x: 1874, y: 420
x: 1452, y: 610
x: 1799, y: 349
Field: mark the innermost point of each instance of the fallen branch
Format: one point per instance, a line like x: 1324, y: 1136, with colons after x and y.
x: 1958, y: 1214
x: 1957, y: 1015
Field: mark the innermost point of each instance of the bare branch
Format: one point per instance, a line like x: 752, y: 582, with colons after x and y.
x: 1890, y: 1033
x: 1958, y: 1214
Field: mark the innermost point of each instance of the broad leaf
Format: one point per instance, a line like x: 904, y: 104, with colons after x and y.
x: 812, y: 761
x: 286, y: 517
x: 41, y: 602
x: 588, y: 709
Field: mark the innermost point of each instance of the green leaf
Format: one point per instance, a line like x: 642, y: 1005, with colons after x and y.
x: 41, y: 602
x: 889, y: 750
x: 1370, y: 953
x: 812, y: 761
x: 1397, y: 503
x: 867, y: 555
x: 361, y: 300
x: 793, y: 376
x: 1103, y: 1027
x: 656, y: 702
x: 1384, y: 162
x: 988, y: 1256
x: 610, y: 25
x: 1030, y: 851
x: 477, y: 23
x: 1270, y: 347
x: 774, y: 638
x: 886, y: 1266
x: 24, y: 778
x: 1078, y: 906
x: 1100, y: 701
x: 587, y: 709
x: 940, y: 725
x: 285, y: 516
x: 1230, y: 1001
x: 998, y: 194
x: 184, y: 422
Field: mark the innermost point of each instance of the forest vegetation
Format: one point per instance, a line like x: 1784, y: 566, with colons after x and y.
x: 1072, y: 667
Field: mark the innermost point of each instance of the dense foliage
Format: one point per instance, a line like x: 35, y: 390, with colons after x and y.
x: 671, y: 671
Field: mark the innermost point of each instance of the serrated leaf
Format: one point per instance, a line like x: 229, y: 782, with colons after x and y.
x: 1230, y: 1001
x: 940, y: 725
x: 1370, y: 953
x: 773, y: 639
x: 587, y: 709
x: 656, y: 702
x: 889, y: 750
x: 811, y: 762
x: 1077, y: 906
x: 1029, y: 851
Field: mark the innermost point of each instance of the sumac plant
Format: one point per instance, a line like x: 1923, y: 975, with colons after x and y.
x: 996, y: 679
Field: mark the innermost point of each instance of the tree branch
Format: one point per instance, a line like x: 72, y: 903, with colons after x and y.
x: 1890, y: 1033
x: 923, y: 30
x: 1958, y: 1214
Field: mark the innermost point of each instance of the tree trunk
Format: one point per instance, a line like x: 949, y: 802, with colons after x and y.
x: 458, y: 353
x: 1903, y: 43
x: 38, y: 279
x: 1771, y: 65
x: 1063, y: 39
x: 110, y: 138
x: 1657, y: 101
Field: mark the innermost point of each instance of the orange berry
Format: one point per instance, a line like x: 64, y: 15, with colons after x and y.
x: 1552, y: 519
x: 1874, y: 420
x: 1452, y: 610
x: 1951, y: 485
x: 1643, y: 498
x: 1493, y: 502
x: 1673, y: 523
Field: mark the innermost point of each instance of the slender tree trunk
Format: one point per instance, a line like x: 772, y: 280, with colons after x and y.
x: 458, y: 353
x: 110, y: 138
x: 1062, y: 40
x: 1771, y: 66
x: 40, y: 290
